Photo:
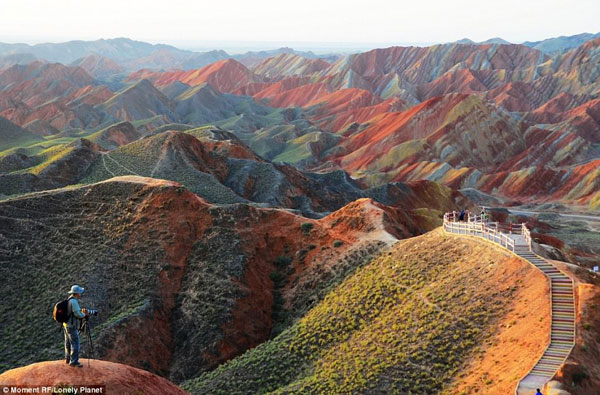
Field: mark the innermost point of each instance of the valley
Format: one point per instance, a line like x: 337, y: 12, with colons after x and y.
x: 271, y: 221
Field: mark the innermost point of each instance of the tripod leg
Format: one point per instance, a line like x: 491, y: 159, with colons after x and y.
x: 91, y: 343
x: 85, y: 331
x: 88, y: 335
x: 87, y: 352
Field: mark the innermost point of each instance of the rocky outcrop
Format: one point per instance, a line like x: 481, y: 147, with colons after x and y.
x: 109, y: 377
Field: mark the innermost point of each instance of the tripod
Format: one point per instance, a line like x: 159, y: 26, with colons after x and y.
x: 86, y: 330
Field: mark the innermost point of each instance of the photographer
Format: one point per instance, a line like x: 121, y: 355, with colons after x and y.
x: 71, y: 327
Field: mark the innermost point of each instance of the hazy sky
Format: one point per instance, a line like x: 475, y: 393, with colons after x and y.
x: 185, y: 23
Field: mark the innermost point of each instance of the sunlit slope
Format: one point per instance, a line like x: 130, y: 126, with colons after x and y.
x: 413, y: 320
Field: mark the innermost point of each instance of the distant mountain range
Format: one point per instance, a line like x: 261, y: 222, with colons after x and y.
x: 493, y: 117
x: 554, y: 45
x: 562, y: 43
x: 131, y: 55
x: 495, y: 40
x: 118, y: 49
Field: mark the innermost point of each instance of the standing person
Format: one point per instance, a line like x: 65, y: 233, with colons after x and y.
x: 461, y: 217
x: 71, y: 327
x: 538, y: 392
x: 483, y: 215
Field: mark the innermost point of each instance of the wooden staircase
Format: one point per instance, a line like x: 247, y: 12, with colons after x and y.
x: 562, y: 333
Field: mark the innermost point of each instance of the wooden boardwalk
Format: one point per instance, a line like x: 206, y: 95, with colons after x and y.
x: 562, y: 335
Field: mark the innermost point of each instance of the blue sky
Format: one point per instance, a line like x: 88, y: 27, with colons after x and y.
x: 186, y: 23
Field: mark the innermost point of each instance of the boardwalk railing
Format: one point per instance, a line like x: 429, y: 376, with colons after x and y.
x: 476, y: 227
x: 527, y: 235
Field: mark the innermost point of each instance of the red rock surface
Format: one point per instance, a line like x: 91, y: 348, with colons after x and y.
x: 296, y: 97
x: 47, y: 92
x: 225, y: 76
x: 536, y: 113
x: 285, y: 65
x: 116, y: 378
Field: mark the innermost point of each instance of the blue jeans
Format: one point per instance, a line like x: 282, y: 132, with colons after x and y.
x: 72, y: 344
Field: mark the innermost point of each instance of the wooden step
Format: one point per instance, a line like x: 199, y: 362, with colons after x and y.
x: 557, y: 346
x: 548, y: 365
x: 563, y: 327
x: 564, y: 307
x: 557, y: 354
x: 559, y: 291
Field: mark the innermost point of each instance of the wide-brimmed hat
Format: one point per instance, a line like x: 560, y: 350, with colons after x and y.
x: 76, y: 289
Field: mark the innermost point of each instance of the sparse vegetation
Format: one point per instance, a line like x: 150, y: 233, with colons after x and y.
x: 66, y: 247
x: 306, y: 227
x: 143, y: 157
x: 280, y: 278
x: 282, y: 261
x: 580, y: 376
x: 393, y: 326
x: 113, y: 240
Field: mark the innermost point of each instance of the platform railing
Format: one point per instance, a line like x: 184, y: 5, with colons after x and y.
x: 475, y: 226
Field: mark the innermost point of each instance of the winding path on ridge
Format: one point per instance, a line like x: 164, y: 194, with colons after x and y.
x: 117, y: 163
x: 106, y: 167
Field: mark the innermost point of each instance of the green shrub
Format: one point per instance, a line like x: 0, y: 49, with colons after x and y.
x: 302, y: 255
x: 337, y: 243
x: 579, y: 376
x: 306, y: 227
x: 277, y: 299
x: 278, y: 279
x: 283, y: 261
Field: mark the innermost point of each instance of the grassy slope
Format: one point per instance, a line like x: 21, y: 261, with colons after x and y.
x: 142, y: 158
x: 46, y: 157
x: 58, y: 165
x: 38, y: 145
x: 118, y: 240
x: 68, y: 245
x: 407, y: 322
x: 32, y: 147
x: 12, y: 135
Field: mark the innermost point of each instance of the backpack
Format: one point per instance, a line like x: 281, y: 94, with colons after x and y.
x: 61, y: 311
